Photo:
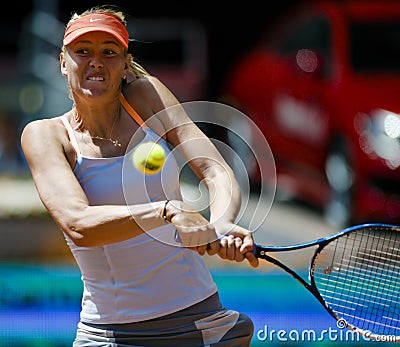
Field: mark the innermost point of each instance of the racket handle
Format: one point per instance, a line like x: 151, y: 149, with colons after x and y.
x: 256, y: 250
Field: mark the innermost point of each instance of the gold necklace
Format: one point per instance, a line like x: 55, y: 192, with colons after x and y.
x: 116, y: 143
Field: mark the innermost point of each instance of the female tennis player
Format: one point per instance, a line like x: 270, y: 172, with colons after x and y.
x: 138, y: 290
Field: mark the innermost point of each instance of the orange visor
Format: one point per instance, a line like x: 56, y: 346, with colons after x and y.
x: 96, y: 22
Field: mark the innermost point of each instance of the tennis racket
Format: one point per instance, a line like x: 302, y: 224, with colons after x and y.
x: 355, y: 275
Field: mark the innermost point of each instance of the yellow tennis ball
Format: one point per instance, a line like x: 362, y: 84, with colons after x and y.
x: 149, y: 157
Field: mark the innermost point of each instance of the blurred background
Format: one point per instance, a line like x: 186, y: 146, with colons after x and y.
x: 250, y: 56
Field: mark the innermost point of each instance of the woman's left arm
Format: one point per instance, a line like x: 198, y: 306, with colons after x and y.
x: 210, y: 167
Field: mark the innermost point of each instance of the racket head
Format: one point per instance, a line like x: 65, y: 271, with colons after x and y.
x: 357, y: 276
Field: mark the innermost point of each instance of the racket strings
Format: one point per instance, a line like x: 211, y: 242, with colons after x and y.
x: 357, y: 275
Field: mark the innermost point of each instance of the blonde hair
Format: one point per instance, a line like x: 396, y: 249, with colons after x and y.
x: 135, y: 68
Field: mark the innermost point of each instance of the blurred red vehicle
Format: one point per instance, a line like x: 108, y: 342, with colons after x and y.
x: 323, y: 86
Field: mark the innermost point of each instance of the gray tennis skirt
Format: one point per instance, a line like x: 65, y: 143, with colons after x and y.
x: 204, y: 324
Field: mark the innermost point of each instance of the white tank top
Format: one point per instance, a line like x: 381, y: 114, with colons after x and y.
x: 140, y: 278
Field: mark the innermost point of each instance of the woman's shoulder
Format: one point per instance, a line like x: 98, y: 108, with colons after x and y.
x: 142, y: 81
x: 43, y: 129
x: 44, y: 137
x: 146, y: 84
x: 41, y: 125
x: 152, y: 91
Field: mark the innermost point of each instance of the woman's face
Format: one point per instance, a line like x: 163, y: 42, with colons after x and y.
x: 94, y: 63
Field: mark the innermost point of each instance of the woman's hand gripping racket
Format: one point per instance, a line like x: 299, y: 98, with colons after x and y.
x: 355, y: 275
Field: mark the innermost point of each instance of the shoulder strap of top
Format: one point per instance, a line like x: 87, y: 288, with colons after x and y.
x: 71, y: 135
x: 131, y: 111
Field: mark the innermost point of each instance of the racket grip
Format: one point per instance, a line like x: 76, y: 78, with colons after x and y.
x: 257, y: 251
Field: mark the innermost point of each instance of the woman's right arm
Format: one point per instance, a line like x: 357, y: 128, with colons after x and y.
x: 46, y: 149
